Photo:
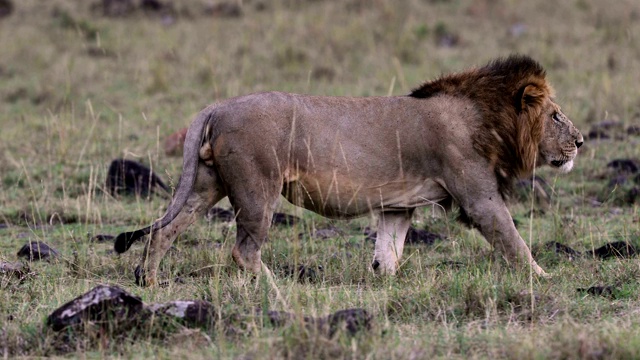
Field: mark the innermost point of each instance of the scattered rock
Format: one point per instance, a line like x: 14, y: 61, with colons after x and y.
x: 132, y: 178
x: 17, y: 270
x: 606, y: 291
x: 174, y: 143
x: 414, y: 236
x: 324, y: 234
x: 624, y: 166
x: 101, y: 238
x: 37, y: 250
x: 113, y: 311
x: 541, y: 192
x: 303, y: 273
x: 3, y: 226
x: 6, y: 8
x: 421, y: 237
x: 196, y: 313
x: 107, y: 306
x: 350, y: 321
x: 116, y: 8
x: 617, y: 249
x: 224, y: 9
x: 219, y: 214
x: 152, y: 5
x: 445, y: 37
x: 633, y: 130
x: 561, y: 249
x: 284, y: 219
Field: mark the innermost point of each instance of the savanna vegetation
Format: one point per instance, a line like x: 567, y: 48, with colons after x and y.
x: 80, y: 86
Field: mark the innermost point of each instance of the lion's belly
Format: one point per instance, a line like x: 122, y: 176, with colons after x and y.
x: 343, y: 198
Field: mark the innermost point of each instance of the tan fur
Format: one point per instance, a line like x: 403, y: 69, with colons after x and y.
x: 463, y: 138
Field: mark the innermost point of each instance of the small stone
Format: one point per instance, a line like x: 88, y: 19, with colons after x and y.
x: 109, y: 307
x: 616, y: 249
x: 284, y: 219
x: 37, y: 250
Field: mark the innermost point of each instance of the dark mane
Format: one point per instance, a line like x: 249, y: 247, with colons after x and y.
x: 510, y: 127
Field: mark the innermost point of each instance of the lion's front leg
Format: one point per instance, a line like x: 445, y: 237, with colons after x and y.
x: 492, y: 218
x: 392, y: 231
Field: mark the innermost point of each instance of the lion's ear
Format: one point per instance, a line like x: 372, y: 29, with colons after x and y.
x: 532, y: 96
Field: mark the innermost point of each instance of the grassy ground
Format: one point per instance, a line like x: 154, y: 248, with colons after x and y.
x: 78, y: 89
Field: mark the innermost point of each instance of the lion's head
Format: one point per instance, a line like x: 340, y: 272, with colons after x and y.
x: 519, y: 125
x: 560, y: 140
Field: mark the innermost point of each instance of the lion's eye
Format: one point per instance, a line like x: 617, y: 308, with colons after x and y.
x: 556, y: 117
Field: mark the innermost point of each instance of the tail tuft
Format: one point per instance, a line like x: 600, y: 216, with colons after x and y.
x: 123, y: 241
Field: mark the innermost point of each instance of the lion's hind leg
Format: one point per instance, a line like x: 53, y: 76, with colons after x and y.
x: 206, y: 192
x: 392, y: 231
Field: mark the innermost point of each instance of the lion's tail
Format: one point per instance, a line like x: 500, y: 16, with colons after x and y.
x: 192, y: 143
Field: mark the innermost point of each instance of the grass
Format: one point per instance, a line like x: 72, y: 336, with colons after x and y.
x: 78, y: 89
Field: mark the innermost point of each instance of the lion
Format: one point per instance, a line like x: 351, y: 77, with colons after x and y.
x: 463, y: 138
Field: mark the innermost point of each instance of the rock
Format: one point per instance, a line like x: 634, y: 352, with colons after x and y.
x: 117, y: 7
x: 303, y: 272
x: 541, y: 192
x: 351, y: 321
x: 101, y: 238
x: 219, y: 214
x: 617, y: 249
x: 3, y: 226
x: 633, y: 130
x: 6, y: 8
x: 324, y: 234
x: 606, y: 291
x: 561, y: 249
x: 37, y: 250
x: 18, y: 270
x: 107, y: 306
x: 174, y: 143
x: 193, y: 313
x: 414, y: 236
x: 421, y: 237
x: 132, y: 178
x: 224, y: 9
x: 284, y: 219
x: 624, y: 166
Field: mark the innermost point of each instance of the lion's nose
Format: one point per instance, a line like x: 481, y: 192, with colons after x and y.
x: 579, y: 143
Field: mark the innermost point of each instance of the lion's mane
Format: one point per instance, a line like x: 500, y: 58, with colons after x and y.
x: 509, y: 94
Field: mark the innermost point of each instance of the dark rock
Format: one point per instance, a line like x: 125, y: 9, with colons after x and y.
x: 101, y: 238
x: 219, y: 214
x: 540, y: 188
x: 151, y: 5
x: 414, y: 236
x: 132, y: 178
x: 6, y: 8
x: 117, y: 7
x: 18, y: 270
x: 193, y: 313
x: 3, y: 226
x: 596, y: 134
x: 606, y: 291
x: 561, y: 249
x: 225, y: 9
x: 37, y: 250
x: 421, y: 237
x: 633, y: 130
x: 324, y: 234
x: 107, y: 306
x: 303, y: 272
x: 284, y: 219
x: 624, y: 166
x: 351, y: 321
x: 617, y: 249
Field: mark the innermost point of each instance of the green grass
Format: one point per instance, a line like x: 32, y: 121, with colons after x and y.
x: 78, y: 89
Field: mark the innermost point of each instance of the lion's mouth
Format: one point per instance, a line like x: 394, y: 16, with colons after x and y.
x: 558, y: 163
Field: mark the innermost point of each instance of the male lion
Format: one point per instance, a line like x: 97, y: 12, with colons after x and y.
x: 462, y: 138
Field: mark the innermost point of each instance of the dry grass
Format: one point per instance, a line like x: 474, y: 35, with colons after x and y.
x: 78, y: 89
